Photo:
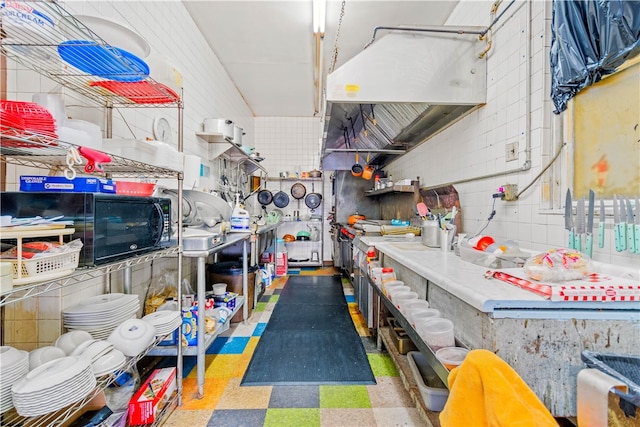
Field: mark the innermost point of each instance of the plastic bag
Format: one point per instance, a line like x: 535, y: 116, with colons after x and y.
x: 161, y: 289
x: 558, y: 265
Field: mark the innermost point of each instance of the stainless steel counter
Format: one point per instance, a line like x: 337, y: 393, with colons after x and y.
x: 541, y: 339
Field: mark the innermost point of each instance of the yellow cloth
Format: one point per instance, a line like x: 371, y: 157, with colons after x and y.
x: 485, y: 391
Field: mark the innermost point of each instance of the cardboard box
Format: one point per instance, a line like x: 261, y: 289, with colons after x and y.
x: 152, y: 396
x: 62, y: 184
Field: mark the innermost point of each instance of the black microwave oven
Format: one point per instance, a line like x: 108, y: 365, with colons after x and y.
x: 111, y: 227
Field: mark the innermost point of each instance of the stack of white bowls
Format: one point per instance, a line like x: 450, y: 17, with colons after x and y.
x: 14, y: 364
x: 165, y: 321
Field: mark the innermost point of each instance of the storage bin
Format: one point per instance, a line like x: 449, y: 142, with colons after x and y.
x: 433, y: 391
x: 47, y: 267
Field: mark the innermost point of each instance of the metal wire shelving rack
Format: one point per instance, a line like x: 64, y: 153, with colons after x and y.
x: 38, y: 51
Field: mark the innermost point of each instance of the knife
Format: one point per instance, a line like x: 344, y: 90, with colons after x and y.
x: 616, y: 223
x: 580, y: 224
x: 631, y: 241
x: 568, y: 219
x: 623, y: 225
x: 637, y: 225
x: 589, y: 242
x: 601, y: 225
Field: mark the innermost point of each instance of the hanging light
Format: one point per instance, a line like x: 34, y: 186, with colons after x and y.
x: 319, y: 16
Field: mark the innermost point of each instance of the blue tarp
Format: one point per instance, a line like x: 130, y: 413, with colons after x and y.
x: 589, y: 39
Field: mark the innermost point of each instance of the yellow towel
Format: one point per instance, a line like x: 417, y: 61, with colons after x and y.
x: 486, y: 391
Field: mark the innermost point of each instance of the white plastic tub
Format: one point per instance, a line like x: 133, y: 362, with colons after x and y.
x: 433, y: 390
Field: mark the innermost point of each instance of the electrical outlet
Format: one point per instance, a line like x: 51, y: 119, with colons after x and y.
x: 511, y: 151
x: 510, y: 192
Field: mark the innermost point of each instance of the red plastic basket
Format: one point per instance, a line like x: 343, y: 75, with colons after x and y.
x: 129, y: 188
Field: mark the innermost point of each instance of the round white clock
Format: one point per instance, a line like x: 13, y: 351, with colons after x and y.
x: 162, y: 129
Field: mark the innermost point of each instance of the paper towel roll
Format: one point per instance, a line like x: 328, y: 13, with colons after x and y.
x: 593, y: 395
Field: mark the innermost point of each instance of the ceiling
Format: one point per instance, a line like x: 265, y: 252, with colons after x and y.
x: 268, y: 47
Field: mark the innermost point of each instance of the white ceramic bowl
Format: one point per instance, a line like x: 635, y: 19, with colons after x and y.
x: 132, y: 337
x: 69, y: 341
x: 95, y: 349
x: 43, y: 355
x: 108, y: 363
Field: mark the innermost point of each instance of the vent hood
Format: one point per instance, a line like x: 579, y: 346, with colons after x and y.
x: 399, y: 91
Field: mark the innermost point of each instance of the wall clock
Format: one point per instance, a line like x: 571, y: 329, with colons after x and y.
x: 162, y: 130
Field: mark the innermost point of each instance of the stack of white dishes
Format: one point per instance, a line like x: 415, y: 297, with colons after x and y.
x: 101, y: 314
x: 108, y: 363
x: 165, y: 322
x: 14, y: 364
x: 52, y: 386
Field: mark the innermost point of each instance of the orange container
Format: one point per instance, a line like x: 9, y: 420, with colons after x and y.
x: 129, y: 188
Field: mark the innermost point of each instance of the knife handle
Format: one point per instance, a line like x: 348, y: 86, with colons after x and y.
x: 637, y: 237
x: 621, y: 240
x: 601, y: 235
x: 631, y: 243
x: 577, y: 245
x: 616, y: 235
x: 572, y: 240
x: 623, y: 236
x: 589, y: 244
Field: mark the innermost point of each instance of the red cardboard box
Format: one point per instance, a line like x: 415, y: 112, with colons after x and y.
x: 152, y: 396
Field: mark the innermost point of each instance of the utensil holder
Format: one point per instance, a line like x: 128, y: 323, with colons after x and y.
x: 430, y: 234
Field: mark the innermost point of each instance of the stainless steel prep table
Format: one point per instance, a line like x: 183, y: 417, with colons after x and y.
x: 230, y: 239
x: 541, y: 339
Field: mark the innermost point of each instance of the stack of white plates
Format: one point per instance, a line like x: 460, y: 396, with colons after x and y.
x: 108, y: 363
x: 101, y: 314
x: 14, y: 364
x: 165, y: 322
x: 52, y: 386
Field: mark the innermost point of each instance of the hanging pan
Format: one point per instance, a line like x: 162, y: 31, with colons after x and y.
x: 356, y: 169
x: 298, y: 190
x: 265, y: 197
x: 281, y: 199
x: 313, y: 199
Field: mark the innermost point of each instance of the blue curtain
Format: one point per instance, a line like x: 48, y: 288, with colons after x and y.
x: 589, y: 39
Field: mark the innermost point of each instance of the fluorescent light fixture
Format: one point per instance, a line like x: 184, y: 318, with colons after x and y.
x: 319, y: 15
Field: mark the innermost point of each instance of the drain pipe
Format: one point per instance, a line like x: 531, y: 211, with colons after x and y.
x: 527, y: 151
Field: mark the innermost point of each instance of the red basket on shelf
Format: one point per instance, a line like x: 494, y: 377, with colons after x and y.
x: 129, y: 188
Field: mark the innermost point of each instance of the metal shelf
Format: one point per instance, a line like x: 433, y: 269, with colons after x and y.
x: 394, y: 189
x: 33, y: 150
x: 233, y: 153
x: 12, y: 418
x: 80, y: 275
x: 38, y: 51
x: 171, y: 350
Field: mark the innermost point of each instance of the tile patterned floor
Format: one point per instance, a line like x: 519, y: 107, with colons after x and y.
x: 226, y: 404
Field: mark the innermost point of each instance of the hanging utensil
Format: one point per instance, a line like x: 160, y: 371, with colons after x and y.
x: 298, y: 190
x: 353, y: 130
x: 367, y: 173
x: 356, y: 169
x: 364, y: 122
x: 313, y: 199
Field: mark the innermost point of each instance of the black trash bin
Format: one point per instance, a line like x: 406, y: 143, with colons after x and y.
x: 230, y: 272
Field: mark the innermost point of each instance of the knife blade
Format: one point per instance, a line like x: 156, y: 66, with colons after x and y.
x: 589, y: 241
x: 631, y: 241
x: 616, y: 223
x: 623, y: 225
x: 568, y: 219
x: 637, y: 225
x: 601, y: 225
x: 580, y: 224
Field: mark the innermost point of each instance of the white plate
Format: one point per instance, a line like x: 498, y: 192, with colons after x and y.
x: 133, y: 336
x: 70, y: 340
x: 9, y: 356
x: 116, y: 35
x: 108, y: 363
x: 101, y: 304
x: 50, y: 374
x: 42, y: 355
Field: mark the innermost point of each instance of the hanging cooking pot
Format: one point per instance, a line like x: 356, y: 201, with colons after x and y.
x: 313, y: 199
x: 298, y: 190
x: 265, y: 197
x: 281, y: 199
x: 356, y: 169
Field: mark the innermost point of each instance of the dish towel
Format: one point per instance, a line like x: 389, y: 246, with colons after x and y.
x: 485, y: 391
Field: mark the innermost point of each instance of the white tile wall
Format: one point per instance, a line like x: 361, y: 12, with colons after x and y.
x: 474, y: 146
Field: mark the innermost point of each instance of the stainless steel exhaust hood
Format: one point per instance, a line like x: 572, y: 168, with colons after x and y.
x: 400, y: 91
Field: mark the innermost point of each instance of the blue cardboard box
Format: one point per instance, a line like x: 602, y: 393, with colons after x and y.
x: 62, y: 184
